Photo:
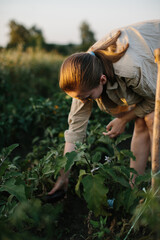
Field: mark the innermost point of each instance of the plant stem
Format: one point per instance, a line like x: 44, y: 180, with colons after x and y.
x: 90, y: 166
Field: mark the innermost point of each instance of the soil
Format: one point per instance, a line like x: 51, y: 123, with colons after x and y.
x: 74, y: 218
x: 74, y: 223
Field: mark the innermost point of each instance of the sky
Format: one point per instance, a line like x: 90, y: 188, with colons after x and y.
x: 60, y: 20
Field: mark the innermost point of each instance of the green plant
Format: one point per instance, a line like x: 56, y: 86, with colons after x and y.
x: 102, y: 230
x: 99, y: 179
x: 147, y: 213
x: 20, y: 211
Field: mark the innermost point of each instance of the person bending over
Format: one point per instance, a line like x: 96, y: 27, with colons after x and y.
x: 119, y: 73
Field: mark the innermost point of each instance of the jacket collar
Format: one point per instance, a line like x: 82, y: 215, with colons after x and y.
x: 111, y: 87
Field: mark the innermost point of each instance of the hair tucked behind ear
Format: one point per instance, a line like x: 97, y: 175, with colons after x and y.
x: 82, y: 71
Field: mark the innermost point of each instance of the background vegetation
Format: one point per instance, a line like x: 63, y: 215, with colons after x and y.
x: 20, y: 36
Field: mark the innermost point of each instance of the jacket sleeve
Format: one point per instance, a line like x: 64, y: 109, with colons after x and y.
x: 144, y: 107
x: 78, y: 121
x: 145, y: 89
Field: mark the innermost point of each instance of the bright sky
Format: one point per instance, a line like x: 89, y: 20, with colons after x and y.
x: 60, y: 20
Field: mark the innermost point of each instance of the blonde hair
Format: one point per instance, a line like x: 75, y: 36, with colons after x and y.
x: 82, y: 71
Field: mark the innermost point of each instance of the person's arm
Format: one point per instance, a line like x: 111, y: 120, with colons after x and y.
x: 62, y: 181
x: 69, y: 147
x: 78, y: 120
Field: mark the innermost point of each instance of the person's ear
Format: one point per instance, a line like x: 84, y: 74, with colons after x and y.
x: 103, y: 79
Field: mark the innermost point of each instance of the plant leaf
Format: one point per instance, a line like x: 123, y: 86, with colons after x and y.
x: 60, y: 163
x: 123, y: 171
x: 106, y: 140
x: 95, y: 193
x: 123, y: 181
x: 48, y: 156
x: 96, y: 157
x: 3, y: 167
x: 95, y: 224
x: 122, y: 138
x: 7, y: 151
x: 143, y: 178
x: 71, y: 157
x: 128, y: 199
x: 116, y: 178
x: 128, y: 153
x: 17, y: 190
x: 81, y: 174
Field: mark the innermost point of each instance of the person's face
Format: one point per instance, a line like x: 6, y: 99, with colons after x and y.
x: 95, y: 93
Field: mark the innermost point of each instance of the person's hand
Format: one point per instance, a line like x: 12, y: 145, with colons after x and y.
x: 61, y: 183
x: 115, y: 127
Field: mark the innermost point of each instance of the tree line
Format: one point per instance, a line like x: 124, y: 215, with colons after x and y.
x: 19, y: 35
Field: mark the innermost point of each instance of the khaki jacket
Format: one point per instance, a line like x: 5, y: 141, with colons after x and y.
x: 136, y: 74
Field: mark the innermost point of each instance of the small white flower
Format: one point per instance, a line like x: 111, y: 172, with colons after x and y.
x: 94, y: 169
x: 107, y: 159
x: 144, y: 190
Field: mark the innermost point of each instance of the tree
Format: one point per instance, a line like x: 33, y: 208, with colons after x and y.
x: 36, y: 37
x: 20, y: 35
x: 87, y: 36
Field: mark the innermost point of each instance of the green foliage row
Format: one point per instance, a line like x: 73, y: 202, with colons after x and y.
x: 31, y: 103
x: 30, y: 96
x: 98, y: 180
x: 33, y: 117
